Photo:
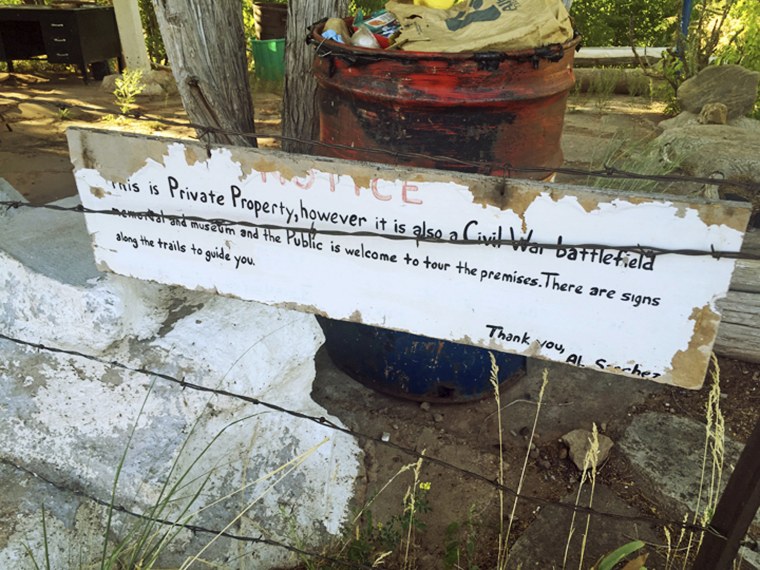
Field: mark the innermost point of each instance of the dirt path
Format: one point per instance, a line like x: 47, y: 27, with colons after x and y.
x: 34, y: 155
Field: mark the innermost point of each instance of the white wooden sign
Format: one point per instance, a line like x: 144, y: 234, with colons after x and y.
x: 604, y: 308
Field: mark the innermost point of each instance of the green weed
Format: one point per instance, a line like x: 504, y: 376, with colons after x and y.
x: 611, y: 560
x: 128, y: 87
x: 460, y: 544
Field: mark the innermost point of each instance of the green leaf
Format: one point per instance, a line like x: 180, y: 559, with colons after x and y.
x: 612, y: 559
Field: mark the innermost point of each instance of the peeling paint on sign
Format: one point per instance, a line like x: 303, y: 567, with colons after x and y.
x: 621, y: 311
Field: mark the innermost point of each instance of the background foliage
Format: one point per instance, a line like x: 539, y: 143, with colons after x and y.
x: 743, y: 35
x: 609, y: 22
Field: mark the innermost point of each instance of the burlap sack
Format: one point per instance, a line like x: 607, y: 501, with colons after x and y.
x: 482, y: 25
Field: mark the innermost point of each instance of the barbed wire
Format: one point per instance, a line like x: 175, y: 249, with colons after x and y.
x: 203, y: 131
x: 519, y: 243
x: 607, y: 171
x: 188, y: 526
x: 322, y: 421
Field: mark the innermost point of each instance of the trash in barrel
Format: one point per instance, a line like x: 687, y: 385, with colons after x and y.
x: 474, y: 111
x: 487, y: 110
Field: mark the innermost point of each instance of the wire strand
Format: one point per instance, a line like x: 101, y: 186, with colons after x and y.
x: 483, y: 166
x: 322, y: 421
x: 521, y: 243
x: 191, y: 527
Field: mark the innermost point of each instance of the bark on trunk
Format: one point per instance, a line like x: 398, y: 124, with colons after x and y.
x: 205, y: 45
x: 299, y: 109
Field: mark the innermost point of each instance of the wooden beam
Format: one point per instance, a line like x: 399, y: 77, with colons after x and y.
x: 739, y: 332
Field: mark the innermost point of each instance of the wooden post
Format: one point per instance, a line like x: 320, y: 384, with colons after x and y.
x: 735, y: 511
x: 299, y: 110
x: 205, y: 44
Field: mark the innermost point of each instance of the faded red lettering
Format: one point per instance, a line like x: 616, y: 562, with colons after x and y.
x: 307, y: 183
x: 376, y: 194
x: 404, y: 193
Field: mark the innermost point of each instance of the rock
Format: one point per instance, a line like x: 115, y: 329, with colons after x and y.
x: 578, y: 443
x: 666, y: 450
x: 563, y: 453
x: 747, y: 123
x: 542, y: 544
x: 163, y: 78
x: 732, y: 85
x: 152, y: 90
x: 545, y: 464
x: 72, y: 523
x: 686, y: 119
x: 714, y: 151
x: 425, y: 406
x: 682, y: 119
x: 437, y: 418
x: 713, y: 114
x: 108, y: 84
x: 750, y: 553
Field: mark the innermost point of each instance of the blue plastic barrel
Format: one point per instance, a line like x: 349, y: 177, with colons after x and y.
x: 415, y: 367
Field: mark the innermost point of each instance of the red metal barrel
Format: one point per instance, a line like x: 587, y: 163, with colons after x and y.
x: 473, y: 112
x: 504, y: 109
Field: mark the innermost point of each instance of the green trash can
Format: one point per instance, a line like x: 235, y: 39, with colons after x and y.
x: 269, y: 59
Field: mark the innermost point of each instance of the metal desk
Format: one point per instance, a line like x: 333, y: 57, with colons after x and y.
x: 77, y: 36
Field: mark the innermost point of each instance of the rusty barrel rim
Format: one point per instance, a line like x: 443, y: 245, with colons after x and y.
x: 354, y: 55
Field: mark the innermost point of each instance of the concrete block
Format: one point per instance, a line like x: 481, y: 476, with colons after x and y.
x: 667, y: 451
x: 70, y: 419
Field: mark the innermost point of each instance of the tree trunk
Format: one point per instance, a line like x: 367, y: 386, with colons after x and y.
x: 205, y: 45
x: 299, y: 108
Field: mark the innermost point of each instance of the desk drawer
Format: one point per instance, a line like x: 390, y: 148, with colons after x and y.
x: 61, y: 40
x: 64, y: 51
x: 59, y: 27
x: 63, y: 56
